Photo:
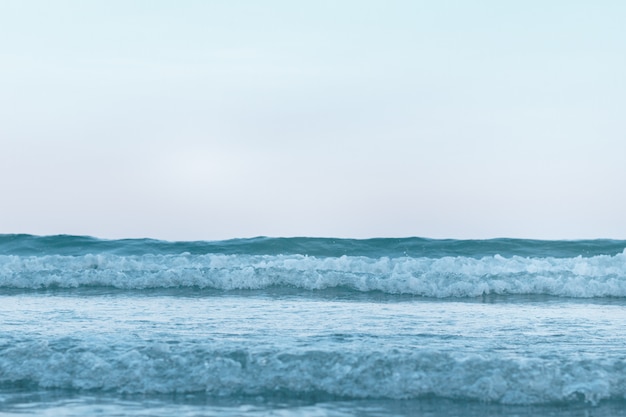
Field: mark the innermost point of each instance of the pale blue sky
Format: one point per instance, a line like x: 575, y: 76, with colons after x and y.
x: 220, y: 119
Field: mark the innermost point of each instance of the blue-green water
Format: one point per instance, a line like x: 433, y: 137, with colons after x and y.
x: 309, y: 326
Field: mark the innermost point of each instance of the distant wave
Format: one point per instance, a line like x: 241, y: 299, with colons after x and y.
x: 159, y: 367
x: 448, y: 276
x: 414, y: 247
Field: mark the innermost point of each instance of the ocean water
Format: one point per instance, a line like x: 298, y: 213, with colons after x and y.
x: 313, y: 327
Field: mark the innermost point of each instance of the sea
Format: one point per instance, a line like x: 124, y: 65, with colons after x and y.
x: 312, y: 327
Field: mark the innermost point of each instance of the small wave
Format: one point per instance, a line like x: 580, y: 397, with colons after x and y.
x: 598, y: 276
x: 28, y: 245
x: 162, y: 368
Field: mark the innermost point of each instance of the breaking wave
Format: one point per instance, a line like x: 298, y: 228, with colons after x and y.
x: 459, y: 276
x: 165, y: 368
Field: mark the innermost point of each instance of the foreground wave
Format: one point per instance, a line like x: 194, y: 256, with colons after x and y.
x: 162, y: 368
x: 136, y: 265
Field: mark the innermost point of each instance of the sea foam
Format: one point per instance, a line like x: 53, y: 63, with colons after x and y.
x: 448, y: 276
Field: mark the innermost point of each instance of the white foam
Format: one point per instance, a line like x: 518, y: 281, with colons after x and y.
x: 599, y: 276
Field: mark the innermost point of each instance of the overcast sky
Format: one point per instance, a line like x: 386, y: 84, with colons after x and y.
x: 187, y: 120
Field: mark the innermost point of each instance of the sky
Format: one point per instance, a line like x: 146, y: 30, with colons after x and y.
x: 206, y: 120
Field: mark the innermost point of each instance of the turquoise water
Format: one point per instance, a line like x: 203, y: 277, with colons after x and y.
x: 307, y: 326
